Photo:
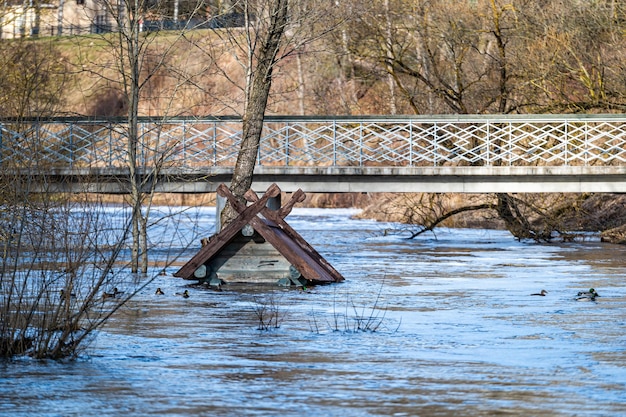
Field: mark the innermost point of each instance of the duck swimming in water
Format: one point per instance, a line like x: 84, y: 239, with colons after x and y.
x: 159, y: 291
x: 587, y: 295
x: 590, y: 292
x: 184, y: 295
x: 542, y: 293
x: 113, y: 294
x: 106, y: 295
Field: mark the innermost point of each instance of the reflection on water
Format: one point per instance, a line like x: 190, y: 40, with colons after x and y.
x: 457, y: 333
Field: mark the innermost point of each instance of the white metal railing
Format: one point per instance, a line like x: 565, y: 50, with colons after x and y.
x: 190, y: 143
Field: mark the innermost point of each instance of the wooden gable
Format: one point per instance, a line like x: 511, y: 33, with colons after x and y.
x: 272, y: 250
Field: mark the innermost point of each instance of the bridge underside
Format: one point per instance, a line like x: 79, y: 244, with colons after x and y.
x: 509, y: 179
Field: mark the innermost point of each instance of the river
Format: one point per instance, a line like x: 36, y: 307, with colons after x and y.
x: 442, y: 325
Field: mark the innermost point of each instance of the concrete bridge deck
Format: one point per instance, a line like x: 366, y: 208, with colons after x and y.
x: 356, y: 179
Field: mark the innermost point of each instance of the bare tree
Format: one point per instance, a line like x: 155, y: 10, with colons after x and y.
x: 577, y: 52
x: 491, y: 56
x: 140, y: 59
x: 262, y: 46
x: 51, y: 245
x: 33, y: 79
x: 273, y: 30
x: 59, y: 253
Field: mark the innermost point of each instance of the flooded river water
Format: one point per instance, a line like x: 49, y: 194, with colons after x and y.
x: 442, y: 325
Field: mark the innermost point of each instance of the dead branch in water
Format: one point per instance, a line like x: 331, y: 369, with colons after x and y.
x: 431, y: 226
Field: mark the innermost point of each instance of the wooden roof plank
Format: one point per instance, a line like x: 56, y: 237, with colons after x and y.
x: 277, y: 218
x: 274, y: 229
x: 219, y: 240
x: 293, y: 234
x: 298, y: 256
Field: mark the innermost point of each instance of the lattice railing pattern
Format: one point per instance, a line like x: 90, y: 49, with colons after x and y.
x: 189, y: 143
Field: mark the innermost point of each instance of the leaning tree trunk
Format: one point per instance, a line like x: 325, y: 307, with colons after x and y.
x: 517, y: 223
x: 256, y: 102
x: 252, y: 127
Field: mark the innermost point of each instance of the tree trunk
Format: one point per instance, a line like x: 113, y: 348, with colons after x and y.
x: 132, y: 94
x: 143, y: 246
x: 516, y: 222
x: 256, y: 102
x: 301, y: 93
x: 388, y: 62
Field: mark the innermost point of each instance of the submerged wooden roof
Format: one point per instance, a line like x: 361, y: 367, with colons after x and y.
x: 272, y: 227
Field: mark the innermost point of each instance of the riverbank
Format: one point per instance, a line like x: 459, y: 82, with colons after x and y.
x: 604, y: 214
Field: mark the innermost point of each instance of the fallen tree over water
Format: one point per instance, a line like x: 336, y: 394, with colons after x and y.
x: 539, y: 217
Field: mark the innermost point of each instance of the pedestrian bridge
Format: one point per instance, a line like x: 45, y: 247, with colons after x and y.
x: 460, y: 153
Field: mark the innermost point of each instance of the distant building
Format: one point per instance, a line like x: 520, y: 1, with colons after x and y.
x: 23, y: 18
x: 67, y: 17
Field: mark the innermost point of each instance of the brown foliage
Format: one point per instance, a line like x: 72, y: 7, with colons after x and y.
x: 111, y: 102
x: 32, y: 81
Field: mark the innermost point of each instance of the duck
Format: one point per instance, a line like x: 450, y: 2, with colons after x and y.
x: 587, y: 295
x: 590, y: 292
x: 184, y: 294
x: 117, y: 292
x: 106, y: 295
x: 542, y: 293
x: 159, y: 291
